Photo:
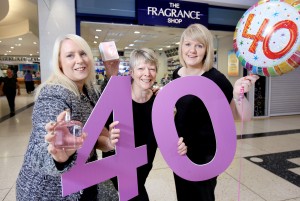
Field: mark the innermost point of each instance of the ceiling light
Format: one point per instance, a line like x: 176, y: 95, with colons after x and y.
x: 95, y: 41
x: 131, y: 45
x: 30, y: 54
x: 168, y: 46
x: 96, y: 37
x: 177, y: 43
x: 126, y: 48
x: 34, y: 43
x: 137, y: 32
x: 0, y: 41
x: 12, y: 47
x: 20, y: 38
x: 98, y: 30
x: 160, y: 49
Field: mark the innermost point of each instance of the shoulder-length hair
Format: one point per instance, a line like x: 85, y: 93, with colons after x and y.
x: 58, y: 77
x: 146, y: 55
x: 201, y: 34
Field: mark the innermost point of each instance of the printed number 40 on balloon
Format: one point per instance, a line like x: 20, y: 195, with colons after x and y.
x: 266, y: 39
x: 117, y: 98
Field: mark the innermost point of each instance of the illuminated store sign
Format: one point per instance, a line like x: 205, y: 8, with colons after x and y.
x: 175, y: 13
x: 19, y: 58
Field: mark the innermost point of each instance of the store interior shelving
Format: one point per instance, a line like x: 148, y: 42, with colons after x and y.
x: 173, y: 60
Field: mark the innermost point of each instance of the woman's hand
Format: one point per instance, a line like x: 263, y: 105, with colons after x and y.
x: 111, y: 67
x: 240, y: 106
x: 114, y: 135
x: 246, y: 82
x: 182, y: 148
x: 59, y: 155
x: 156, y: 89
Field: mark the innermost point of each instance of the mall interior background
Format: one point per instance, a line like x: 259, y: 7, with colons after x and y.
x: 27, y: 36
x: 268, y: 146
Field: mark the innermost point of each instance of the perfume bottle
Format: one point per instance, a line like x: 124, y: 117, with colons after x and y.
x: 68, y: 133
x: 110, y: 57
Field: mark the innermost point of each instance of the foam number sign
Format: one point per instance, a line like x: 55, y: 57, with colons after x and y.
x: 221, y: 117
x: 83, y: 175
x: 128, y: 158
x: 267, y: 37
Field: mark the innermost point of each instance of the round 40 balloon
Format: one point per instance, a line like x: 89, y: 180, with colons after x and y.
x: 267, y: 37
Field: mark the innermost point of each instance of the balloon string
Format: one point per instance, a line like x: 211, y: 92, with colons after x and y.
x: 240, y: 101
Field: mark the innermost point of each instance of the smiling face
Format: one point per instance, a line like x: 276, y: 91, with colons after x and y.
x: 74, y: 62
x: 193, y: 53
x: 143, y: 75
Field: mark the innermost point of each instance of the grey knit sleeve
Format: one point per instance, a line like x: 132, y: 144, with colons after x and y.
x: 52, y: 101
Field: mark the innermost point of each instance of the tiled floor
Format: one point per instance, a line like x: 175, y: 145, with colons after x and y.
x: 266, y: 165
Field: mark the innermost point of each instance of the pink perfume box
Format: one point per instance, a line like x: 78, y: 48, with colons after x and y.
x: 108, y: 51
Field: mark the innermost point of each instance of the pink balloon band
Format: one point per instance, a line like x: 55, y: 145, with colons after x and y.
x: 128, y: 157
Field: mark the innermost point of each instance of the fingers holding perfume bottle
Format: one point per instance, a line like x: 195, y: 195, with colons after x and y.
x: 60, y: 155
x: 64, y: 136
x: 111, y: 67
x: 51, y: 125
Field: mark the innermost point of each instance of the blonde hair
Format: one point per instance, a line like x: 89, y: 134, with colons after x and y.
x: 201, y: 34
x: 146, y: 55
x: 58, y: 77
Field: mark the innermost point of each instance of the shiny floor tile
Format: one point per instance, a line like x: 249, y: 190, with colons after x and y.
x: 280, y: 164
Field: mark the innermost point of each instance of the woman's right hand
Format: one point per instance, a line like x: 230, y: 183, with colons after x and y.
x: 59, y: 155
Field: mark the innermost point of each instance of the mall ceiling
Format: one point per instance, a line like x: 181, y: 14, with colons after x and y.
x: 19, y: 30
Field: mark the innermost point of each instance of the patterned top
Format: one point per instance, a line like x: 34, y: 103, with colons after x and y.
x: 39, y: 178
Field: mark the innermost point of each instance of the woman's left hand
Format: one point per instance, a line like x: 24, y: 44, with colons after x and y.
x: 182, y: 148
x: 114, y: 135
x: 111, y: 67
x: 246, y: 82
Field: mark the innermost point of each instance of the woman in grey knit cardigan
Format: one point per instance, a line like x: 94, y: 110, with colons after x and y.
x: 69, y: 87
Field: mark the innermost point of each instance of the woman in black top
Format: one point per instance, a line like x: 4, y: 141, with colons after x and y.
x: 192, y: 118
x: 143, y: 69
x: 9, y: 87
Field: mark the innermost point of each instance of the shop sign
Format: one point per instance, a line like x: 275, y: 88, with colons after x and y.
x: 31, y: 67
x: 171, y: 13
x: 19, y: 59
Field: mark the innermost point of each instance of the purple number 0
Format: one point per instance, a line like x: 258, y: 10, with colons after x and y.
x: 221, y: 117
x: 128, y: 158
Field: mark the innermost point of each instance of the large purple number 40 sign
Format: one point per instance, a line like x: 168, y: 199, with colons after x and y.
x: 117, y: 98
